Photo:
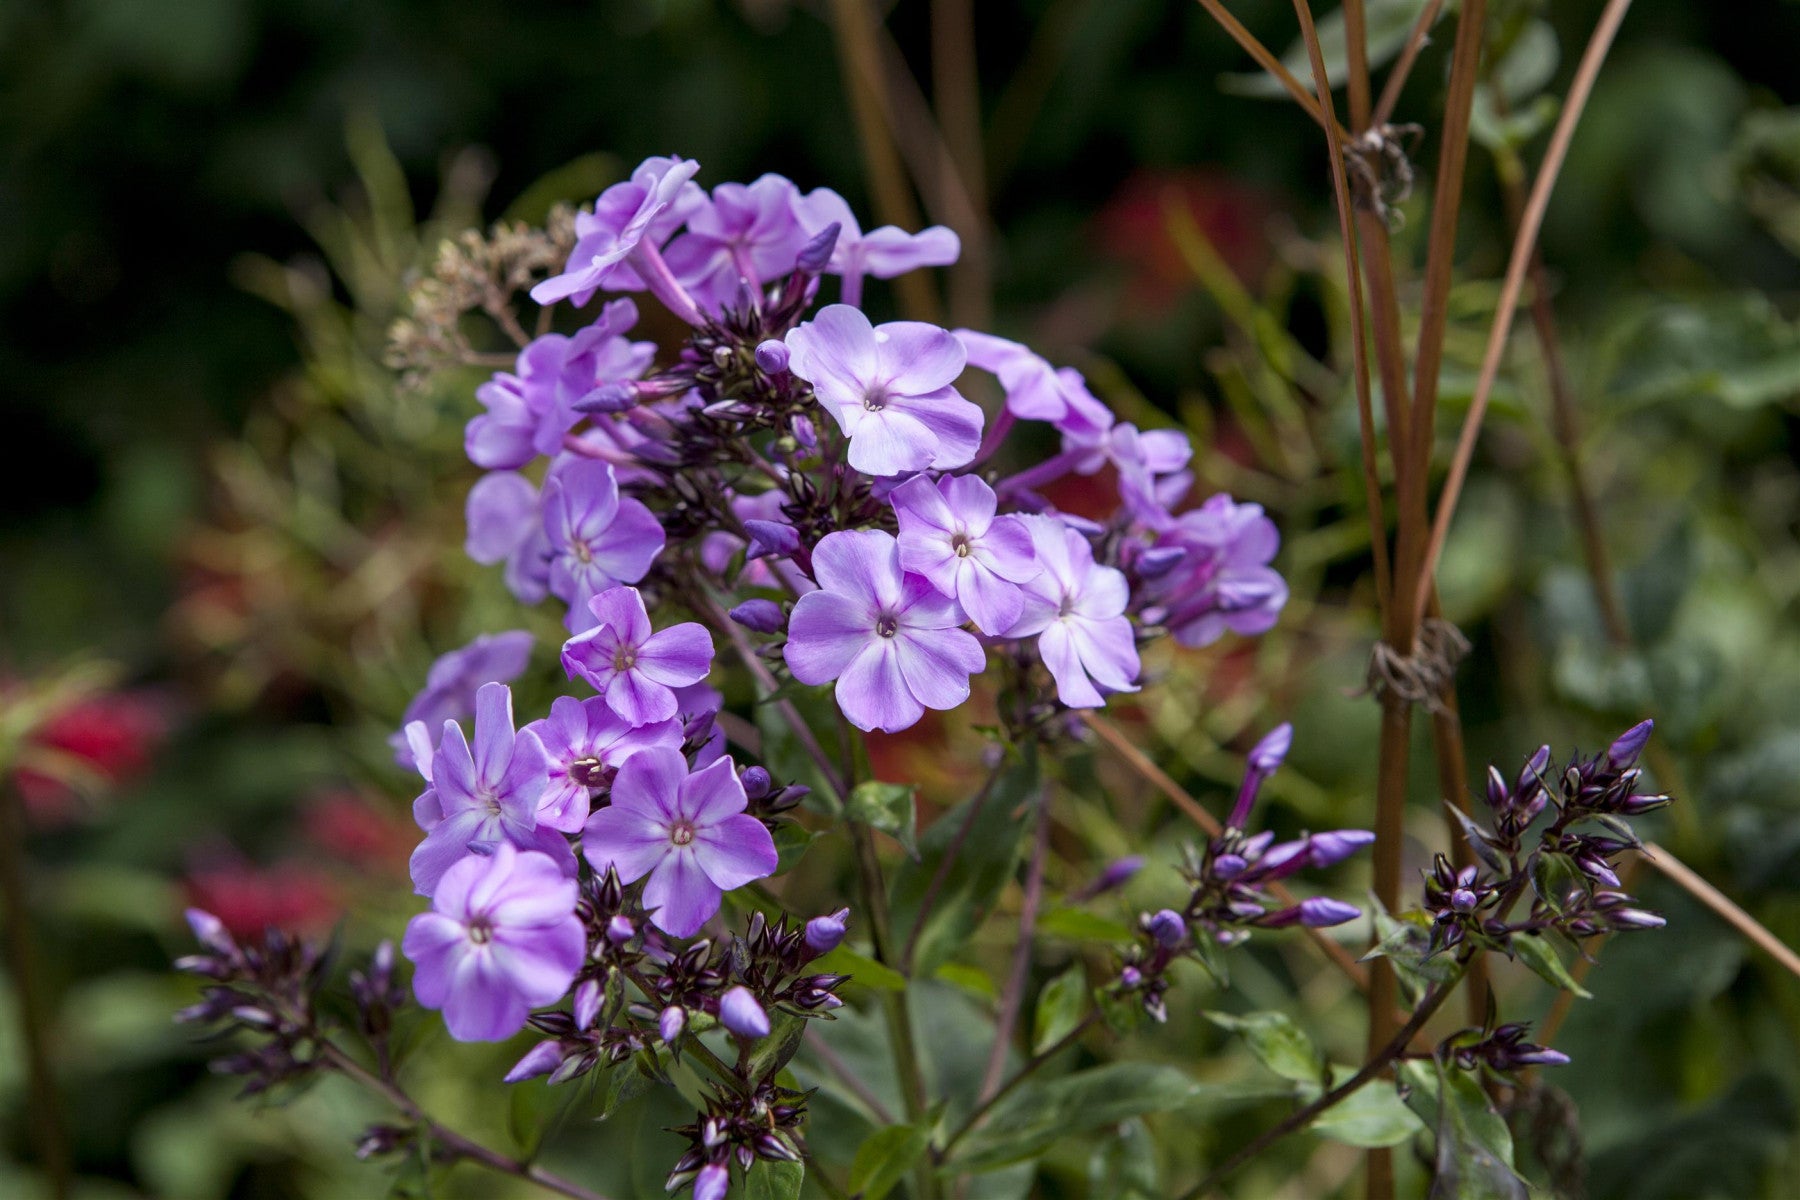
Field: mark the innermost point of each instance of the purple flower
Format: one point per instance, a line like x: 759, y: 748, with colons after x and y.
x: 741, y: 1014
x: 889, y: 389
x: 503, y: 437
x: 759, y: 616
x: 501, y: 940
x: 1035, y: 390
x: 557, y: 371
x: 584, y: 742
x: 541, y: 1059
x: 1224, y: 581
x: 950, y: 535
x: 888, y: 638
x: 506, y: 524
x: 1077, y: 610
x: 632, y: 667
x: 658, y: 198
x: 1265, y: 758
x: 1334, y: 846
x: 1316, y: 913
x: 745, y: 232
x: 883, y: 253
x: 713, y: 1182
x: 597, y: 539
x: 489, y: 796
x: 1625, y: 749
x: 687, y: 832
x: 453, y: 680
x: 1150, y: 463
x: 1167, y: 927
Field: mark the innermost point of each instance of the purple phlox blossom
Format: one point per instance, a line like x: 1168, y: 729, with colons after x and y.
x: 950, y: 535
x: 759, y: 615
x: 451, y: 684
x: 1265, y: 758
x: 486, y: 796
x: 889, y: 388
x: 502, y: 938
x: 628, y: 218
x: 718, y: 547
x: 505, y: 517
x: 1151, y: 466
x: 425, y: 807
x: 585, y: 742
x: 889, y: 639
x: 1037, y: 391
x: 633, y: 667
x: 687, y: 832
x: 883, y: 253
x: 598, y: 540
x: 1076, y: 609
x: 744, y: 232
x: 1224, y: 581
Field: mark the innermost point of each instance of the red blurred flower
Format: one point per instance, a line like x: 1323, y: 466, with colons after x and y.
x: 113, y: 735
x: 346, y: 825
x: 249, y: 898
x: 1134, y: 227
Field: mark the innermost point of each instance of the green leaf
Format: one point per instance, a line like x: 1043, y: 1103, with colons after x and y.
x: 863, y: 970
x: 1079, y: 925
x: 972, y: 980
x: 1278, y: 1043
x: 887, y: 807
x: 1041, y: 1113
x: 1060, y: 1007
x: 627, y: 1082
x: 885, y: 1158
x: 1372, y: 1116
x: 1404, y: 941
x: 792, y: 840
x: 1124, y: 1167
x: 775, y: 1051
x: 768, y: 1180
x: 1474, y: 1150
x: 988, y: 856
x: 1537, y: 953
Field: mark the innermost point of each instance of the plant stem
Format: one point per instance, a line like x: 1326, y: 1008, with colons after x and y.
x: 1012, y: 998
x: 956, y: 87
x: 1020, y: 1076
x: 1300, y: 1118
x: 46, y: 1105
x: 1409, y: 54
x: 456, y: 1143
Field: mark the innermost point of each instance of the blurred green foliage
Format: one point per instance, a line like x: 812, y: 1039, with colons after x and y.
x: 208, y: 213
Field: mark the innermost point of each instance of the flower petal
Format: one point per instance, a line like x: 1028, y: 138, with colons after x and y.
x: 937, y: 666
x: 735, y: 851
x: 890, y: 441
x: 913, y: 357
x: 825, y: 634
x: 711, y: 795
x: 1073, y: 687
x: 625, y: 840
x: 679, y: 895
x: 873, y: 694
x: 677, y: 656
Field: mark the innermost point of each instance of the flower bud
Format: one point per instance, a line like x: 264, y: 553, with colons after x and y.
x: 740, y: 1013
x: 713, y: 1182
x: 824, y: 934
x: 772, y: 356
x: 1167, y: 927
x: 1158, y: 561
x: 620, y: 930
x: 759, y: 616
x: 1130, y: 977
x: 756, y: 782
x: 1272, y: 750
x: 804, y: 432
x: 816, y: 254
x: 1229, y: 866
x: 772, y: 538
x: 1117, y: 874
x: 541, y: 1059
x: 672, y: 1021
x: 1624, y: 751
x: 587, y: 1003
x: 1335, y: 845
x: 210, y: 932
x: 609, y: 398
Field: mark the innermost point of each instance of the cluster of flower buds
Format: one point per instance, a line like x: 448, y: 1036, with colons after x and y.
x: 266, y: 987
x: 763, y: 1121
x: 1231, y: 881
x: 1501, y: 1049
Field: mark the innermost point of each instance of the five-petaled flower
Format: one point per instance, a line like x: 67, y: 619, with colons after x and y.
x: 634, y: 668
x: 1077, y: 610
x: 688, y: 832
x: 502, y: 938
x: 585, y: 742
x: 890, y: 639
x: 889, y: 389
x: 598, y: 539
x: 950, y: 535
x: 657, y: 199
x: 883, y: 253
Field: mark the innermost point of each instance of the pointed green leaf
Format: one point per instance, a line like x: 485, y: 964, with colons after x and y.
x: 1537, y: 953
x: 885, y: 1158
x: 1278, y: 1043
x: 1060, y: 1007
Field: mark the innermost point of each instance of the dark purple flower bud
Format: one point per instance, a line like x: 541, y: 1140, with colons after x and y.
x: 1117, y: 874
x: 1316, y: 913
x: 1167, y: 927
x: 1463, y: 900
x: 804, y: 432
x: 672, y: 1021
x: 1229, y: 866
x: 772, y: 357
x: 541, y: 1059
x: 1281, y: 861
x: 620, y: 930
x: 759, y: 616
x: 609, y: 398
x: 713, y: 1182
x: 587, y: 1003
x: 1597, y: 869
x: 1334, y: 846
x: 1540, y: 1056
x: 1265, y: 757
x: 771, y: 538
x: 1634, y: 918
x: 381, y: 1139
x: 756, y: 782
x: 1624, y: 751
x: 1637, y: 806
x: 1130, y: 977
x: 1535, y: 767
x: 210, y: 932
x: 777, y: 1147
x: 1159, y: 560
x: 817, y: 253
x: 740, y: 1013
x: 824, y: 934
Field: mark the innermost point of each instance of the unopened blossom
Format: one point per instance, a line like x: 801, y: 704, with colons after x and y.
x: 640, y: 212
x: 1224, y: 581
x: 634, y: 668
x: 687, y: 832
x: 598, y: 539
x: 741, y: 1014
x: 889, y: 639
x: 451, y: 684
x: 950, y: 535
x: 505, y: 518
x: 713, y: 1182
x: 744, y: 232
x: 487, y: 795
x: 884, y: 253
x: 584, y: 743
x: 1076, y: 610
x: 1265, y: 758
x: 889, y: 388
x: 502, y: 938
x: 823, y: 934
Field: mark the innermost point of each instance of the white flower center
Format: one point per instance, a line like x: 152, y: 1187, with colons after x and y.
x: 681, y: 833
x: 875, y: 399
x: 624, y: 658
x: 886, y: 625
x: 481, y: 930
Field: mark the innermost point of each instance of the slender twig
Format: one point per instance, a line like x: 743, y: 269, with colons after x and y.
x: 1753, y: 931
x: 52, y: 1138
x: 456, y: 1143
x: 1303, y: 1117
x: 941, y: 876
x: 1356, y: 56
x: 1154, y: 775
x: 1025, y: 1071
x: 956, y: 87
x: 1012, y: 997
x: 1266, y: 59
x: 1453, y: 782
x: 853, y: 1083
x: 1529, y: 225
x: 1409, y: 54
